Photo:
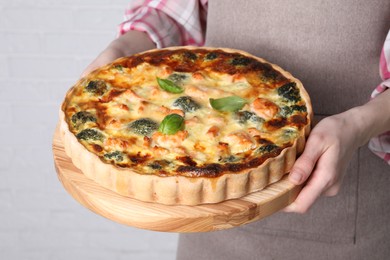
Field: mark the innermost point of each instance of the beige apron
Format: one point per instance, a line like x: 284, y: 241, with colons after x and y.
x: 333, y: 47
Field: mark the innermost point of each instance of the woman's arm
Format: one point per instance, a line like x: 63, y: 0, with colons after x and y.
x: 125, y: 45
x: 151, y: 24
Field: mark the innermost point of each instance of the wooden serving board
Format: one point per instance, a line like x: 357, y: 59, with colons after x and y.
x: 158, y: 217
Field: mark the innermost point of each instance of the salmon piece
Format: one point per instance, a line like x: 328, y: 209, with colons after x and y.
x: 213, y: 131
x: 216, y: 120
x: 114, y: 124
x: 223, y: 148
x: 167, y: 111
x: 168, y: 141
x: 237, y: 77
x: 160, y: 151
x: 239, y: 142
x: 199, y: 147
x: 197, y: 75
x: 147, y: 141
x: 117, y: 143
x: 203, y: 92
x: 180, y: 150
x: 165, y: 72
x: 192, y: 121
x: 264, y: 108
x: 177, y: 111
x: 142, y: 106
x: 123, y: 107
x: 254, y: 132
x: 131, y: 95
x: 194, y: 91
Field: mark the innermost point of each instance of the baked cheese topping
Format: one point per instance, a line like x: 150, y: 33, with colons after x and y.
x: 189, y: 112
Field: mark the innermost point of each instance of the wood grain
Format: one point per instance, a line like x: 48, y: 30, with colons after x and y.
x: 158, y: 217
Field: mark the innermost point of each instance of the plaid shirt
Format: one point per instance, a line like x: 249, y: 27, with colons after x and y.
x: 173, y: 23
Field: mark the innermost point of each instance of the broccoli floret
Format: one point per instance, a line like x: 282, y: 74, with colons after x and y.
x: 269, y: 75
x: 245, y: 116
x: 186, y: 103
x: 241, y: 61
x: 90, y: 134
x: 155, y: 166
x: 143, y: 126
x: 97, y: 87
x: 229, y: 159
x: 267, y: 148
x: 159, y: 164
x: 299, y: 108
x: 116, y: 156
x: 290, y: 92
x: 211, y: 56
x: 178, y: 78
x: 288, y: 110
x: 82, y: 117
x: 119, y: 67
x: 190, y: 55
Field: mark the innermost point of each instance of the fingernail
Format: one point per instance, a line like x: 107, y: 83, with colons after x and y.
x: 295, y: 177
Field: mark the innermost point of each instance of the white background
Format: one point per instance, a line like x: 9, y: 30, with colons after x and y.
x: 44, y: 46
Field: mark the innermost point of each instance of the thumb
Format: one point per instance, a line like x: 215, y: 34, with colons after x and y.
x: 305, y: 164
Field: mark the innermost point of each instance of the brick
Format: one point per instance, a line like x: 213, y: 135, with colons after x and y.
x: 35, y: 91
x: 27, y: 178
x: 37, y: 199
x: 35, y: 157
x: 8, y: 239
x: 19, y: 220
x: 24, y: 91
x: 73, y: 220
x: 41, y: 114
x: 27, y: 135
x: 58, y: 89
x: 91, y: 43
x: 52, y: 239
x: 36, y: 19
x: 170, y: 241
x: 21, y: 253
x: 20, y: 42
x: 133, y: 240
x: 3, y: 66
x: 47, y: 67
x: 6, y: 199
x: 5, y: 114
x: 101, y: 20
x: 160, y: 255
x: 82, y: 254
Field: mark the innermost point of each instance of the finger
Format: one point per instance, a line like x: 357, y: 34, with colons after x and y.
x: 308, y: 195
x: 333, y: 190
x: 323, y: 178
x: 305, y: 164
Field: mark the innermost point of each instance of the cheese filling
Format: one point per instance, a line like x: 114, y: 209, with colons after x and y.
x: 117, y: 113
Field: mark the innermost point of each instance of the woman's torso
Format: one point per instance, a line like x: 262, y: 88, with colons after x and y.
x: 333, y: 47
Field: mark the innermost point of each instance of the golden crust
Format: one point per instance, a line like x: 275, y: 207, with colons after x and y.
x: 175, y: 190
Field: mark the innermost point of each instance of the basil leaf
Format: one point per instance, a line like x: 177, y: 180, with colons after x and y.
x: 169, y: 86
x: 228, y: 104
x: 171, y: 124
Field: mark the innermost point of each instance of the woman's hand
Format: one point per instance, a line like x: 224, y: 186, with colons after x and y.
x: 125, y: 45
x: 330, y: 147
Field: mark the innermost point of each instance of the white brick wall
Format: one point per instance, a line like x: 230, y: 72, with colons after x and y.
x: 44, y: 46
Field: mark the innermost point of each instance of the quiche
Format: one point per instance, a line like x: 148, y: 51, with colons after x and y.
x: 186, y: 125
